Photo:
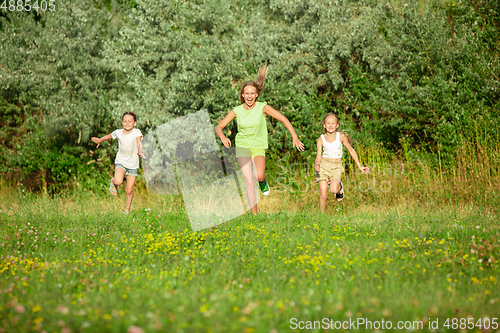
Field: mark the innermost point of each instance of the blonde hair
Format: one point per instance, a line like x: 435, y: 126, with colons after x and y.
x: 257, y: 84
x: 326, y: 116
x: 338, y: 121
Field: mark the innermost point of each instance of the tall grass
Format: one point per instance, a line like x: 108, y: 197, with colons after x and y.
x: 409, y: 178
x: 424, y: 247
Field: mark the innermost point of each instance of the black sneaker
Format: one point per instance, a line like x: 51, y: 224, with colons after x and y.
x: 340, y: 193
x: 264, y: 187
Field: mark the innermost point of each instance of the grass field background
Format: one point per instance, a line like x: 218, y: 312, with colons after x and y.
x: 413, y: 242
x: 415, y: 86
x: 80, y: 265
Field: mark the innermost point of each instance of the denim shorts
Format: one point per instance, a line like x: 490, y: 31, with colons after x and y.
x: 128, y: 172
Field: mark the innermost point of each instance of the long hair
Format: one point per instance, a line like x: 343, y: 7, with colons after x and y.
x: 258, y: 83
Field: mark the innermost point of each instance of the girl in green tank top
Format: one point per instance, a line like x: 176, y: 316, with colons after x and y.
x: 251, y: 140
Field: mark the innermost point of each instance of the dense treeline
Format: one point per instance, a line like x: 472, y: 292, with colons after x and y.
x: 423, y: 75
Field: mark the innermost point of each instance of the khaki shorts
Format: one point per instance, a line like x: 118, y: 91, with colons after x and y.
x: 330, y: 168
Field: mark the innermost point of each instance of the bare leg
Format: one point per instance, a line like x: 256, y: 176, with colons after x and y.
x: 117, y: 180
x: 334, y: 186
x: 129, y: 189
x: 260, y: 168
x: 246, y: 168
x: 323, y: 194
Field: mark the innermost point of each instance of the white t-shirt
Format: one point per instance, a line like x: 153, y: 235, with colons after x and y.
x: 127, y: 148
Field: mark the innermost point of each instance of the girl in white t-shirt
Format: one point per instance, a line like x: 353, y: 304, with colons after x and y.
x: 127, y: 158
x: 329, y: 166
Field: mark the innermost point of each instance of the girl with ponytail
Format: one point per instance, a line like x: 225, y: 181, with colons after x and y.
x: 251, y: 140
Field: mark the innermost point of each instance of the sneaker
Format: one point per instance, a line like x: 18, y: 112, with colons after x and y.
x: 264, y: 187
x: 340, y: 193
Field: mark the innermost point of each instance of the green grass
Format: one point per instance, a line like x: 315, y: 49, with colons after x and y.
x: 82, y: 266
x: 416, y: 240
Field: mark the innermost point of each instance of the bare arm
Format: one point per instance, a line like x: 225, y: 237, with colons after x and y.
x: 278, y: 116
x: 104, y: 138
x: 218, y: 129
x: 317, y: 161
x: 139, y: 147
x: 351, y: 150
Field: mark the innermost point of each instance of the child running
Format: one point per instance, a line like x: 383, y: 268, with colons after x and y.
x: 251, y: 140
x: 127, y: 158
x: 329, y: 167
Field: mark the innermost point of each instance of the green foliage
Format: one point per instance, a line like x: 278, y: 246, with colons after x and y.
x: 53, y: 74
x: 433, y: 84
x: 413, y: 72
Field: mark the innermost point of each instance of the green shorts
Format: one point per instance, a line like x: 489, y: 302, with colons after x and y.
x: 250, y: 152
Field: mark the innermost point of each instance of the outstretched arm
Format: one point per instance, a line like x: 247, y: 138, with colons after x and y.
x: 104, y: 138
x: 218, y: 129
x: 278, y: 116
x: 351, y: 150
x: 317, y: 161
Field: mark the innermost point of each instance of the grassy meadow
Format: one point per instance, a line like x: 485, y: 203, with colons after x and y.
x: 413, y: 247
x: 411, y: 244
x: 82, y: 266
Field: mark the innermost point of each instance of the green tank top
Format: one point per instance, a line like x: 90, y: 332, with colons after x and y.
x: 252, y: 127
